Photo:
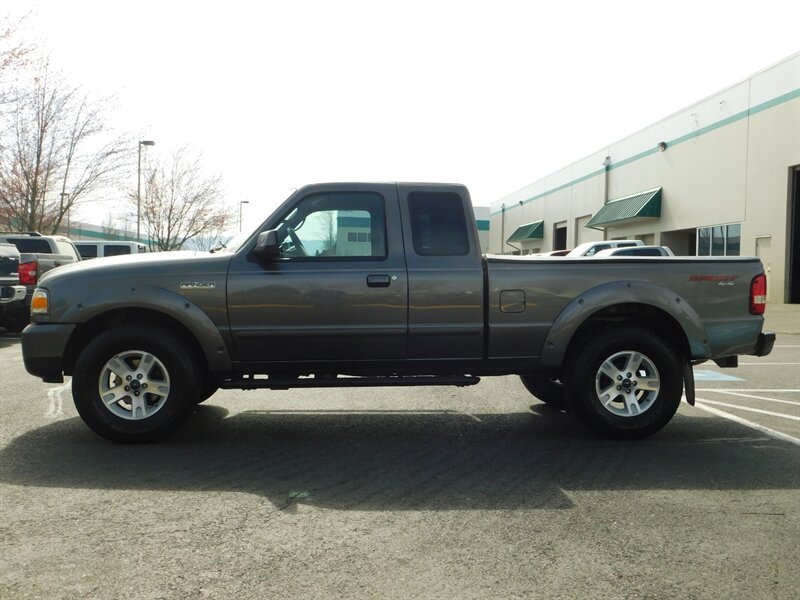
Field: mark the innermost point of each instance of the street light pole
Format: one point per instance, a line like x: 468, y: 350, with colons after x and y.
x: 240, y: 212
x: 139, y: 188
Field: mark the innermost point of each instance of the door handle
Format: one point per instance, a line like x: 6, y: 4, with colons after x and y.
x: 378, y: 280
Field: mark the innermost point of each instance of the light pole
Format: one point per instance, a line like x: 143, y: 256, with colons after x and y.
x: 139, y: 188
x: 240, y: 212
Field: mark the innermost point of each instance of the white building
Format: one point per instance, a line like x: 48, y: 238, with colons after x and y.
x: 719, y: 177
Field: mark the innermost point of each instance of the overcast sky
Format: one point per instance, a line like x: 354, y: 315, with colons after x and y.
x: 494, y: 95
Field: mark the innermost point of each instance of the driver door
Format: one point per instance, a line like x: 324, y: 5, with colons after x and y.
x: 336, y: 292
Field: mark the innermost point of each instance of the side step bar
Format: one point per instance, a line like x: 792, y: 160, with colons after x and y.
x: 254, y: 383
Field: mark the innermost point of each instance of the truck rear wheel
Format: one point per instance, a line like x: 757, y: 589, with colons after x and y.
x: 546, y: 389
x: 625, y: 383
x: 135, y: 383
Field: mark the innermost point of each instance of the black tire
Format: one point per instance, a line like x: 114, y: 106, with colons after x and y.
x: 638, y: 404
x: 16, y: 320
x: 169, y: 388
x: 209, y: 388
x: 548, y: 390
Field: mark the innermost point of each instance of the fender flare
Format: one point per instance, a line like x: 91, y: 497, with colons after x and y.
x: 163, y: 301
x: 603, y: 296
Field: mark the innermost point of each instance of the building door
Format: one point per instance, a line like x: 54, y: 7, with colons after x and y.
x: 764, y: 252
x: 560, y: 236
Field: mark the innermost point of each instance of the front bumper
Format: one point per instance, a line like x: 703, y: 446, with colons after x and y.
x: 43, y: 348
x: 766, y: 340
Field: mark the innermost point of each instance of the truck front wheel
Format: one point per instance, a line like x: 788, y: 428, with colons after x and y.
x: 135, y: 383
x: 625, y: 383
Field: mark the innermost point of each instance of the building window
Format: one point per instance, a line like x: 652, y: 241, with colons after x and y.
x: 353, y: 236
x: 719, y: 240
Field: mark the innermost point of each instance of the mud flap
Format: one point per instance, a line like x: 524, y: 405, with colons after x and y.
x: 688, y: 382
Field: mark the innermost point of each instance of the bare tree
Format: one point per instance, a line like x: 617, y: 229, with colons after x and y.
x: 109, y: 228
x: 182, y: 204
x: 57, y: 152
x: 14, y: 55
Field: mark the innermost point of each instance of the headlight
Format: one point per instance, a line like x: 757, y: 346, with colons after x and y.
x: 39, y: 302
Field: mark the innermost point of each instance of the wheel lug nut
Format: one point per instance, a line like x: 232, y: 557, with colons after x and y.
x: 139, y: 376
x: 635, y: 383
x: 619, y: 377
x: 626, y: 391
x: 127, y: 388
x: 619, y: 387
x: 144, y: 385
x: 628, y: 375
x: 128, y: 378
x: 135, y: 393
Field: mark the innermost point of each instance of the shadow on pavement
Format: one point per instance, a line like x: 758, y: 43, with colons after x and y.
x: 8, y: 339
x: 403, y: 460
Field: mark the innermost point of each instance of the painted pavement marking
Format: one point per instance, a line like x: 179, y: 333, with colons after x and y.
x: 778, y: 435
x: 748, y: 409
x: 730, y: 393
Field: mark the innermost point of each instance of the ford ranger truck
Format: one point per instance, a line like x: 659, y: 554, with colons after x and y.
x: 356, y: 284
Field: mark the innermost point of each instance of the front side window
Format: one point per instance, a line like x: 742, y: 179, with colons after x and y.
x: 438, y: 227
x: 339, y: 225
x: 595, y: 249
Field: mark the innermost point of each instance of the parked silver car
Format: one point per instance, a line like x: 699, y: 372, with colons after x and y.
x: 636, y: 251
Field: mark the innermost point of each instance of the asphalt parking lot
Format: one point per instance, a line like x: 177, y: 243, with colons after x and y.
x: 480, y: 492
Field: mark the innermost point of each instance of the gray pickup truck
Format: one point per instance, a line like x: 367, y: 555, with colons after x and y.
x: 38, y: 254
x: 384, y: 285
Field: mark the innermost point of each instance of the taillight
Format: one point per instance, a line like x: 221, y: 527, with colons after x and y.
x: 758, y: 294
x: 27, y: 273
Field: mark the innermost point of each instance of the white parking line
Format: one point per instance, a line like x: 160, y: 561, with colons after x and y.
x: 761, y: 364
x: 770, y: 432
x: 748, y: 409
x: 56, y: 397
x: 786, y: 346
x: 792, y: 402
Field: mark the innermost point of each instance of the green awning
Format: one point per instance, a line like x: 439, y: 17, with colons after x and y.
x: 644, y: 205
x: 531, y: 231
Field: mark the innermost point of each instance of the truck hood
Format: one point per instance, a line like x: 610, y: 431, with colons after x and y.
x: 137, y: 266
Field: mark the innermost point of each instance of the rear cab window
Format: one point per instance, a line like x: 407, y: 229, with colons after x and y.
x: 438, y: 226
x: 32, y: 245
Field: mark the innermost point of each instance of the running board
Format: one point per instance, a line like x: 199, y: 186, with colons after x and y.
x: 254, y: 383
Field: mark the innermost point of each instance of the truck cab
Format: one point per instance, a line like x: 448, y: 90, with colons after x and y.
x: 378, y: 272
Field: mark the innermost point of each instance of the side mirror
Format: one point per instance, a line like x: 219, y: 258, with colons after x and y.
x: 267, y: 246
